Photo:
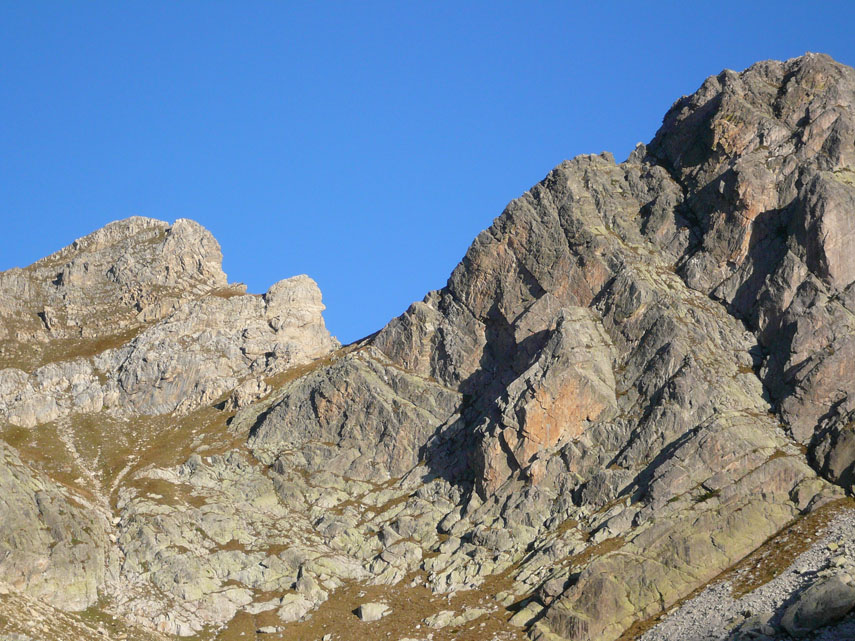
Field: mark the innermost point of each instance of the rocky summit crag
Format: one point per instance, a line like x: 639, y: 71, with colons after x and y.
x: 637, y: 387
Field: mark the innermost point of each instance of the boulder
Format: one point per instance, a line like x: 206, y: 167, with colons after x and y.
x: 824, y: 602
x: 372, y: 611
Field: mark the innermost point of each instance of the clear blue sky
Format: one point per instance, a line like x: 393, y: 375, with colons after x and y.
x: 362, y: 143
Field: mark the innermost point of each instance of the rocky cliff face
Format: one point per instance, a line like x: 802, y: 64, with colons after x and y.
x: 637, y: 380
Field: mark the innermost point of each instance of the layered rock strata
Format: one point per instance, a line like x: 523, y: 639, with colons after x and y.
x: 637, y: 376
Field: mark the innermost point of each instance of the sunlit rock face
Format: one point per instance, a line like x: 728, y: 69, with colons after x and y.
x: 638, y: 374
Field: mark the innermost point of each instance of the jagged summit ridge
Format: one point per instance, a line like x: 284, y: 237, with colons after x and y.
x: 148, y: 323
x: 771, y: 199
x: 634, y: 378
x: 182, y: 252
x: 105, y: 283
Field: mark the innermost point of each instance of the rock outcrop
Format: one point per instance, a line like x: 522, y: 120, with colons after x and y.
x: 55, y: 546
x: 140, y: 320
x: 637, y: 376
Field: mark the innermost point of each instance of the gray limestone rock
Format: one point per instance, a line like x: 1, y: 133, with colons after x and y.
x: 202, y: 350
x: 103, y: 287
x: 636, y: 375
x: 767, y: 158
x: 359, y: 415
x: 834, y: 452
x: 372, y: 611
x: 53, y: 544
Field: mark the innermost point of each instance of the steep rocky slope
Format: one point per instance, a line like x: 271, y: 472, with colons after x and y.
x: 635, y: 384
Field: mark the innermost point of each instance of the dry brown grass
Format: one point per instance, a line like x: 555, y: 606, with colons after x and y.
x: 409, y: 606
x: 605, y: 507
x: 31, y: 355
x: 782, y: 549
x: 564, y: 527
x: 229, y: 292
x: 638, y: 628
x: 778, y: 453
x: 108, y: 445
x: 42, y: 448
x: 597, y: 550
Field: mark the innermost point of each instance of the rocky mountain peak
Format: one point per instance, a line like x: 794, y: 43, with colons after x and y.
x: 801, y: 107
x: 142, y: 250
x: 138, y: 317
x: 753, y: 149
x: 636, y: 386
x: 130, y: 254
x: 108, y: 283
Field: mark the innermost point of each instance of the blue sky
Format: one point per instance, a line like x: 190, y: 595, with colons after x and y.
x: 362, y: 143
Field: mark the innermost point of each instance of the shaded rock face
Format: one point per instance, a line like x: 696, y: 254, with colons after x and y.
x: 637, y: 375
x: 569, y: 385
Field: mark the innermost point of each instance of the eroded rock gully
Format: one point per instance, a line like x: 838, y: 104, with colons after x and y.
x: 638, y: 374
